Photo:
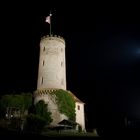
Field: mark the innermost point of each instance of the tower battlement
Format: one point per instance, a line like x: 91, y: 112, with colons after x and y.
x: 53, y: 37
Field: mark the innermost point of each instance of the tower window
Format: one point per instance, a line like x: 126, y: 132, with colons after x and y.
x: 61, y: 50
x: 42, y: 81
x: 62, y: 81
x: 43, y: 62
x: 78, y: 107
x: 43, y: 49
x: 61, y: 64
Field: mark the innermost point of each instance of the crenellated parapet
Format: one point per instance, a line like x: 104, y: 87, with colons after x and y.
x: 53, y: 37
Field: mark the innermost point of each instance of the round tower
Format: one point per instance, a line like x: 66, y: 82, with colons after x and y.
x: 52, y: 67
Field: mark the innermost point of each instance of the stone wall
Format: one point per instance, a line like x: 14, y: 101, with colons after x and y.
x: 52, y: 67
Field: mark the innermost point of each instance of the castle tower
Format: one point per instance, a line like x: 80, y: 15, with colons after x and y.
x: 52, y: 77
x: 52, y: 67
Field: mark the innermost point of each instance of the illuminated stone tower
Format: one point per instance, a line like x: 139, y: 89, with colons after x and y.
x: 52, y: 77
x: 52, y: 69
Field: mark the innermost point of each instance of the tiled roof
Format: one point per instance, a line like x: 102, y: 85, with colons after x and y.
x: 76, y: 99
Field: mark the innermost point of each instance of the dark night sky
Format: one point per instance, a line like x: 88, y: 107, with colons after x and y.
x: 102, y: 51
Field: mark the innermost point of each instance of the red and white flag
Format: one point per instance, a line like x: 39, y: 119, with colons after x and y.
x: 48, y: 19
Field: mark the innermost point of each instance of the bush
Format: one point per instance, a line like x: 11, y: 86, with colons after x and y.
x: 41, y: 109
x: 35, y: 123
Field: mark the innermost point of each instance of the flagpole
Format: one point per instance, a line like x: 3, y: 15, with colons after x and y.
x: 50, y: 23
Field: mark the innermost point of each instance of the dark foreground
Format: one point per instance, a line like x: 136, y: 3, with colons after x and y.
x: 14, y: 135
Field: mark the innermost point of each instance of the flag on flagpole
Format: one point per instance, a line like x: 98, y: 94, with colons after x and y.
x: 48, y: 19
